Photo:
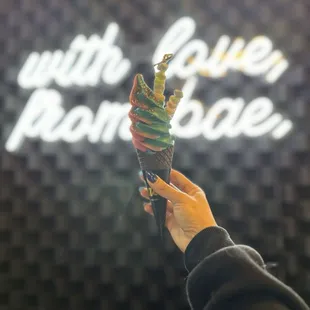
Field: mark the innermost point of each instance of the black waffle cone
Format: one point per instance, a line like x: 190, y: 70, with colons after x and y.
x: 160, y: 163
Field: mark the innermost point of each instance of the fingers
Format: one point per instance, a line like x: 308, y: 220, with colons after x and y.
x: 165, y: 190
x: 171, y: 223
x: 148, y: 208
x: 179, y: 181
x: 142, y: 179
x: 144, y: 193
x: 183, y: 183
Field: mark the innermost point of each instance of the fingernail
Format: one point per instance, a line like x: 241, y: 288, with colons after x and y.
x: 152, y: 177
x: 141, y: 189
x: 145, y: 205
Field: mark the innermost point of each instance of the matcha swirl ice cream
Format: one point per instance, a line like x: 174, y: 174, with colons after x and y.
x: 150, y: 114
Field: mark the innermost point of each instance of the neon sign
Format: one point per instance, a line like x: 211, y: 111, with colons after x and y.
x: 96, y: 60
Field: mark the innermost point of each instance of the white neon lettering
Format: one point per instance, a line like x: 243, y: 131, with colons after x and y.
x: 29, y: 123
x: 41, y: 74
x: 176, y: 36
x: 117, y: 68
x: 184, y: 70
x: 257, y: 119
x: 252, y: 60
x: 77, y: 73
x: 256, y: 59
x: 186, y: 106
x: 120, y: 111
x: 214, y: 128
x: 50, y: 123
x: 86, y: 63
x: 90, y: 61
x: 276, y: 72
x: 76, y: 124
x: 61, y: 75
x: 192, y: 128
x: 214, y: 65
x: 102, y: 116
x: 47, y: 124
x: 283, y: 129
x: 124, y: 132
x: 230, y: 60
x: 24, y: 73
x: 37, y: 70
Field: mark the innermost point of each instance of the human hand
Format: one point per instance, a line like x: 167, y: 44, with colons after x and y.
x: 188, y: 211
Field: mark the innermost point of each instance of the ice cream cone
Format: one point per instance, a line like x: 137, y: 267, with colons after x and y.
x: 159, y: 163
x: 151, y: 117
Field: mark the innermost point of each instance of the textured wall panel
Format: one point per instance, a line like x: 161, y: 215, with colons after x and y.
x: 73, y: 234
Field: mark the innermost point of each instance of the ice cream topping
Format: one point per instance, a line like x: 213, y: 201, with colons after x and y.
x: 150, y: 114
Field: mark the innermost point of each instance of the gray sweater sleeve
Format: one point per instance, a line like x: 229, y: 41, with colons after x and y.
x: 223, y: 276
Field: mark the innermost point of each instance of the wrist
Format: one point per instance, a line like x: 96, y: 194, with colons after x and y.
x: 204, y: 243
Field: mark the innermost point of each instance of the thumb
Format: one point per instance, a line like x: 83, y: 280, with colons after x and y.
x: 163, y: 189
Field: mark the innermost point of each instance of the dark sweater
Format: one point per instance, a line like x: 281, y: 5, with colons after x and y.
x: 225, y: 276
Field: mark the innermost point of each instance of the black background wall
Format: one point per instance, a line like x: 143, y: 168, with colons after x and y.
x: 73, y: 234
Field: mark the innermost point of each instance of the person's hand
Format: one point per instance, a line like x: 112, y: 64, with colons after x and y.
x: 188, y: 211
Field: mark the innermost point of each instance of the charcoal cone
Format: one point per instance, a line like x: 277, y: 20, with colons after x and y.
x: 159, y: 163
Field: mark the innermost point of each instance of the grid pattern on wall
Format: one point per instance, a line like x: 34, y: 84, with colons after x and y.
x: 73, y: 234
